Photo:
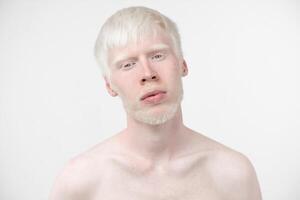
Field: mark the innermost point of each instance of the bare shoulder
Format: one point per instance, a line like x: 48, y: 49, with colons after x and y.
x: 235, y: 175
x: 81, y: 175
x: 73, y: 181
x: 231, y: 172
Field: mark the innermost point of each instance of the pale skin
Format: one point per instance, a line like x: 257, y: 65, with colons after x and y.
x: 154, y: 162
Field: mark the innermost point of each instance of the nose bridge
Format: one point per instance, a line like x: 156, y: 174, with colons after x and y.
x: 146, y: 66
x: 148, y: 71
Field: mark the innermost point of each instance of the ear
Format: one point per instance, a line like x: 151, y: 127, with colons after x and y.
x: 185, y: 69
x: 109, y: 88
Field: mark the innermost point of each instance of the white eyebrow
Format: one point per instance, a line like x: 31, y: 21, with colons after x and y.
x: 124, y: 56
x: 157, y: 47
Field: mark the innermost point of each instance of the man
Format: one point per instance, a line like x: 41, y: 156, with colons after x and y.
x: 155, y: 156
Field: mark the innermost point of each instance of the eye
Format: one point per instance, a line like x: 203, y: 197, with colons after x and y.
x: 158, y: 56
x: 127, y: 65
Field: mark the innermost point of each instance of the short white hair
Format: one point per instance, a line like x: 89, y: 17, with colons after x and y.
x: 132, y: 25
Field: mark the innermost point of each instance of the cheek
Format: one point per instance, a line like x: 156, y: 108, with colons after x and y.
x: 174, y: 78
x: 172, y: 65
x: 124, y: 86
x: 172, y: 73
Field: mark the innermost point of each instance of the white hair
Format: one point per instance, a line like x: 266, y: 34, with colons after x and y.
x: 132, y: 25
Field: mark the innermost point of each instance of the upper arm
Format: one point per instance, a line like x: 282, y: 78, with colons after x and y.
x: 64, y: 189
x: 236, y: 177
x: 244, y: 184
x: 73, y: 183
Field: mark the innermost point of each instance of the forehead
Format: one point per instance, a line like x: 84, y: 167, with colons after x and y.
x: 144, y: 45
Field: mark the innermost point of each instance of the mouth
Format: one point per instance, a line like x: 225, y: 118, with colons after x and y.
x: 153, y: 96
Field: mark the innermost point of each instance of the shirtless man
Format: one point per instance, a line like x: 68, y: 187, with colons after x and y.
x: 156, y: 157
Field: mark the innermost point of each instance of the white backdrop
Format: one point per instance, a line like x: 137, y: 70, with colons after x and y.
x: 243, y: 88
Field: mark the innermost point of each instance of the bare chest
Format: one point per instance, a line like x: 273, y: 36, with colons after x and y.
x: 129, y: 190
x: 187, y: 182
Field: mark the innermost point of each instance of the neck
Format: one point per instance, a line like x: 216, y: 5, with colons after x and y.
x: 154, y: 142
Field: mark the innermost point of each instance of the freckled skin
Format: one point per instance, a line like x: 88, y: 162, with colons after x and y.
x: 166, y: 161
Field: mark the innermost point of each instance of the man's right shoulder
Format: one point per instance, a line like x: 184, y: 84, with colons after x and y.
x: 80, y: 176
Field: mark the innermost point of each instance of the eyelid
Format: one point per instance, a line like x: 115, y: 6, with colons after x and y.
x: 122, y: 64
x: 162, y: 53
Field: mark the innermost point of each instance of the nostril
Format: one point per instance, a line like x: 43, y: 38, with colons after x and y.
x: 154, y: 78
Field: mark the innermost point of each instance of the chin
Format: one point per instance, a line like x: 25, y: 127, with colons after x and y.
x: 155, y: 117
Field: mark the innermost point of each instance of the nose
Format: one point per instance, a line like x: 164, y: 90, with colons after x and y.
x: 149, y: 74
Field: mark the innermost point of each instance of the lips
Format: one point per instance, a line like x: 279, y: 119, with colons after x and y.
x: 152, y: 94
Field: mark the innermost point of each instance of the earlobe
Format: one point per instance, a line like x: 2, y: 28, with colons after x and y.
x: 184, y: 68
x: 109, y: 89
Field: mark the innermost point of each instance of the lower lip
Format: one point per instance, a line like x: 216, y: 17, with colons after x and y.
x: 154, y: 99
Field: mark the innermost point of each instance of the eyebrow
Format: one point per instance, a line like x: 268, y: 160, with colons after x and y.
x: 154, y: 48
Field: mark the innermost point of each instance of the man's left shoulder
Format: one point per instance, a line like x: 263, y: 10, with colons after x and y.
x: 233, y: 174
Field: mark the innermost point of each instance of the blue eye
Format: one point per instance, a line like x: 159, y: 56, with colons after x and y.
x: 127, y: 65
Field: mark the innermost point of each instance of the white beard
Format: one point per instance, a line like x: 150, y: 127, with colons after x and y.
x: 148, y: 116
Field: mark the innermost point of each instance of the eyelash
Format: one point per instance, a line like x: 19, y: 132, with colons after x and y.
x: 158, y: 54
x: 123, y: 66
